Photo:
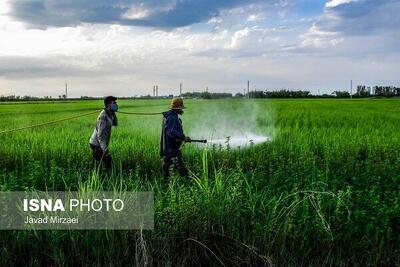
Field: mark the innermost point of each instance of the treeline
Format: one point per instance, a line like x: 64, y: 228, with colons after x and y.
x: 206, y: 95
x: 265, y: 94
x: 280, y: 94
x: 377, y: 91
x: 23, y: 98
x: 295, y: 94
x: 385, y: 91
x: 362, y: 91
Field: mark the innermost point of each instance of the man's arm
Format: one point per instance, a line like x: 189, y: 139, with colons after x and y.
x: 102, y: 134
x: 173, y: 129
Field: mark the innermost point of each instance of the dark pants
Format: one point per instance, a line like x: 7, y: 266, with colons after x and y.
x: 175, y: 160
x: 98, y: 155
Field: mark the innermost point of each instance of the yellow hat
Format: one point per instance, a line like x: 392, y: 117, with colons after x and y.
x: 177, y: 103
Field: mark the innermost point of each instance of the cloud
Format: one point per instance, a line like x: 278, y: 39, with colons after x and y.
x: 318, y: 38
x: 334, y: 3
x: 23, y: 67
x: 255, y: 17
x: 152, y: 13
x: 247, y: 38
x: 344, y: 20
x: 215, y: 20
x: 362, y: 17
x: 221, y: 44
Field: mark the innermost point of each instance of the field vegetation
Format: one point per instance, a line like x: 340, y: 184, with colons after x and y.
x: 323, y: 191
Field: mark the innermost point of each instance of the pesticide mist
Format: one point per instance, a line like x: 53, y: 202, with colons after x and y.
x: 228, y: 124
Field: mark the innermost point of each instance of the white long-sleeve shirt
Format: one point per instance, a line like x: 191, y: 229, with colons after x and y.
x: 102, y: 133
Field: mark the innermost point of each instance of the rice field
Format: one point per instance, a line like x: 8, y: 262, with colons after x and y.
x: 323, y: 190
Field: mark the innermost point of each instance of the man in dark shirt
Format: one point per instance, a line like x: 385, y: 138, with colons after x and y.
x: 172, y: 137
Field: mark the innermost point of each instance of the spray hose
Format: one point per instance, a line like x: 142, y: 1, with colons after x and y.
x: 71, y: 118
x: 83, y: 115
x: 140, y: 113
x: 46, y: 123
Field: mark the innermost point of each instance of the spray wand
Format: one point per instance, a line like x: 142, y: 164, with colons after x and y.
x: 197, y: 141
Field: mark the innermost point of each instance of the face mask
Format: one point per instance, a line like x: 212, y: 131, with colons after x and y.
x: 114, y: 107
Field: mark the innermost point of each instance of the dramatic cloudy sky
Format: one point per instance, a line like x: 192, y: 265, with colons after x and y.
x: 125, y: 46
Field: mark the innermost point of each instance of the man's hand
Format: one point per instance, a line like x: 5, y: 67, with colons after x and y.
x: 188, y: 139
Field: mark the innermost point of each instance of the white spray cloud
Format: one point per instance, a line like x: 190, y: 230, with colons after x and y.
x: 241, y: 122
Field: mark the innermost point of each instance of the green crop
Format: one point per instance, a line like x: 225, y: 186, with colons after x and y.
x: 323, y: 191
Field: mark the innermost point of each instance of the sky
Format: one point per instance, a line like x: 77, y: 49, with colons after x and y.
x: 124, y: 47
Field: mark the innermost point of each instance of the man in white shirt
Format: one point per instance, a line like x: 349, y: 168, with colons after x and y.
x: 101, y: 135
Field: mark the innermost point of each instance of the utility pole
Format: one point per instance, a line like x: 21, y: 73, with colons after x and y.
x: 351, y: 89
x: 66, y: 90
x: 180, y: 89
x: 156, y: 90
x: 248, y: 89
